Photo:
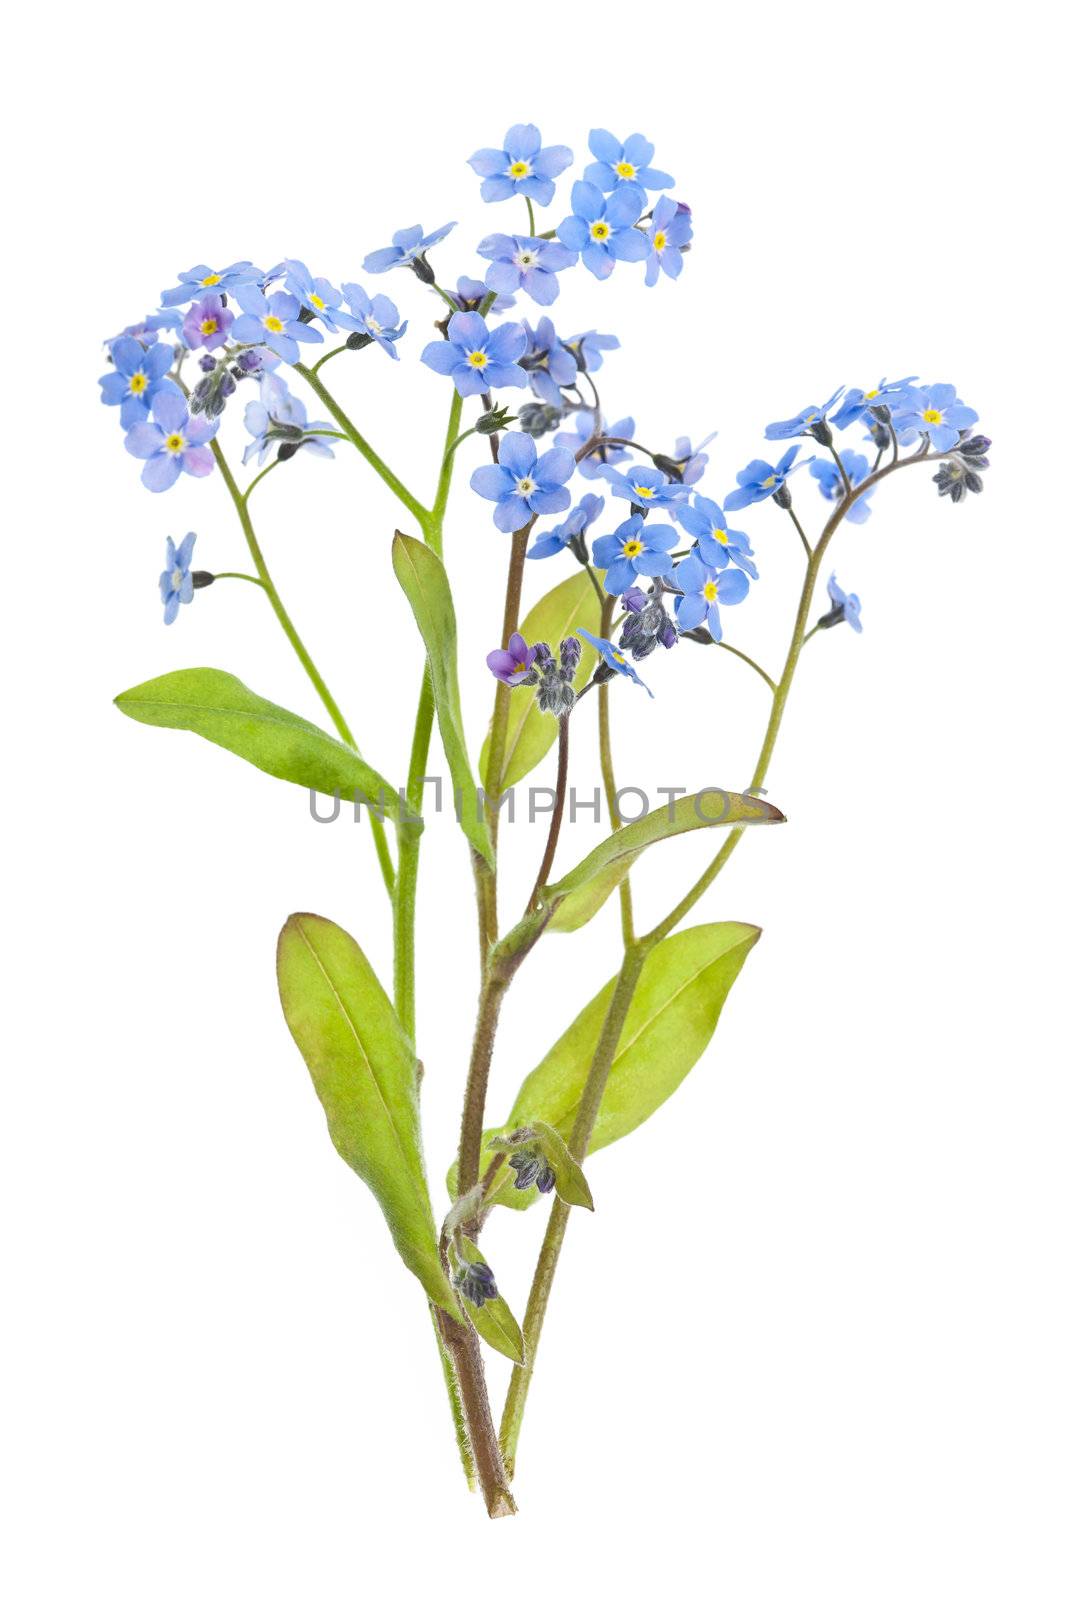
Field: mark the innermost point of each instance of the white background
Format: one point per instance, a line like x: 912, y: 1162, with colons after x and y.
x: 814, y: 1339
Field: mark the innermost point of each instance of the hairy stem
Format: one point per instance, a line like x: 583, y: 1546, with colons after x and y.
x: 609, y: 783
x: 543, y: 875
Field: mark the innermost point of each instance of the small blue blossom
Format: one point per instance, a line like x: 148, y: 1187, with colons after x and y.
x: 637, y: 549
x: 583, y: 514
x: 935, y: 413
x: 857, y: 403
x: 831, y: 483
x: 408, y: 246
x: 522, y: 166
x: 613, y: 658
x: 803, y: 421
x: 718, y: 544
x: 644, y: 486
x: 590, y: 346
x: 551, y: 366
x: 148, y: 330
x: 624, y: 166
x: 471, y: 293
x: 603, y: 455
x: 845, y: 607
x: 759, y: 479
x: 519, y: 262
x: 704, y: 589
x: 176, y: 580
x: 319, y: 296
x: 670, y: 231
x: 476, y: 357
x: 140, y: 374
x: 273, y: 320
x: 691, y: 464
x: 523, y: 484
x: 172, y: 443
x: 376, y: 316
x: 202, y: 279
x: 602, y: 231
x: 279, y: 417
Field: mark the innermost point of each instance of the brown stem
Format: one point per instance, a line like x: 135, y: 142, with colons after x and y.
x: 483, y: 1044
x: 463, y: 1347
x: 543, y: 875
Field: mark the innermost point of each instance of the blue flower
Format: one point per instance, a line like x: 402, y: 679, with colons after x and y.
x: 476, y: 357
x: 670, y: 231
x: 857, y: 403
x: 524, y: 485
x: 625, y: 166
x: 603, y: 231
x: 279, y: 417
x: 577, y: 522
x: 803, y: 421
x: 691, y: 464
x: 375, y: 316
x: 759, y: 479
x: 140, y: 374
x: 519, y: 262
x: 148, y: 330
x: 846, y: 607
x: 550, y: 365
x: 319, y: 296
x: 718, y: 545
x: 201, y: 279
x: 273, y: 320
x: 831, y: 483
x: 644, y: 486
x: 176, y: 580
x: 408, y: 246
x: 471, y: 293
x: 521, y: 167
x: 935, y: 412
x: 613, y: 658
x: 637, y: 549
x: 704, y: 589
x: 172, y: 443
x: 603, y: 455
x: 590, y: 346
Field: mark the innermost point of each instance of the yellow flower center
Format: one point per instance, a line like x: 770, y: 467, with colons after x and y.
x: 600, y: 230
x: 273, y: 323
x: 659, y: 241
x: 139, y: 383
x: 519, y: 169
x: 930, y: 415
x: 632, y: 548
x: 477, y: 358
x: 625, y: 169
x: 175, y: 443
x: 710, y: 591
x: 525, y: 485
x: 642, y: 492
x: 317, y: 301
x: 618, y: 657
x: 525, y: 258
x: 719, y: 534
x: 768, y: 483
x: 209, y: 325
x: 871, y: 394
x: 176, y: 579
x: 211, y: 281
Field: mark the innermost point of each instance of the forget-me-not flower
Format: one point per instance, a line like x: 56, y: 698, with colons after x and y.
x: 273, y: 320
x: 176, y: 580
x: 523, y: 484
x: 519, y: 262
x: 279, y: 417
x: 831, y: 483
x: 513, y: 666
x: 207, y: 323
x: 935, y: 412
x: 637, y: 549
x: 845, y: 607
x: 319, y: 296
x: 718, y: 544
x: 804, y: 421
x: 522, y: 166
x: 200, y: 279
x: 478, y: 358
x: 602, y: 229
x: 759, y: 479
x: 140, y: 374
x: 703, y: 590
x: 857, y: 403
x: 406, y: 248
x: 644, y: 486
x: 374, y: 316
x: 613, y: 658
x: 603, y: 455
x: 172, y: 443
x: 580, y: 518
x: 624, y: 166
x: 670, y: 231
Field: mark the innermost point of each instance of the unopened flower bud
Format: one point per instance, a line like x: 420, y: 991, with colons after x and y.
x: 422, y: 268
x: 494, y: 421
x: 538, y: 419
x: 201, y: 580
x: 207, y: 363
x: 359, y: 341
x: 532, y: 1168
x: 476, y: 1282
x: 569, y: 656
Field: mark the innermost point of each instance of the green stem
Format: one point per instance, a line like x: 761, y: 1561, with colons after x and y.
x: 375, y: 461
x: 386, y: 866
x: 733, y: 651
x: 246, y: 577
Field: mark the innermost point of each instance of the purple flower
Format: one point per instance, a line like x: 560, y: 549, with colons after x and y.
x: 522, y: 166
x: 635, y: 549
x: 140, y: 374
x: 206, y: 323
x: 524, y: 485
x: 561, y: 537
x: 173, y: 443
x: 670, y: 231
x: 476, y: 357
x: 513, y: 666
x: 519, y: 262
x: 273, y: 320
x: 407, y: 249
x: 220, y: 279
x: 176, y: 580
x: 704, y: 589
x: 602, y: 231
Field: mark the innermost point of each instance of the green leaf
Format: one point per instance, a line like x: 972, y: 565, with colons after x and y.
x: 569, y: 1181
x: 365, y: 1073
x: 493, y: 1321
x: 670, y: 1022
x: 427, y: 588
x: 221, y: 709
x: 530, y: 733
